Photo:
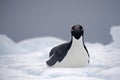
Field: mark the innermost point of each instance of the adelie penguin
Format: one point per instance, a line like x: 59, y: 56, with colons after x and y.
x: 71, y: 54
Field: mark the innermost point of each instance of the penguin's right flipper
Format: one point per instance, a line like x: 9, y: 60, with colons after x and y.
x: 52, y: 60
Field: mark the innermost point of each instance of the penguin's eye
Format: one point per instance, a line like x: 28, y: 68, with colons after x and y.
x: 81, y: 29
x: 72, y: 30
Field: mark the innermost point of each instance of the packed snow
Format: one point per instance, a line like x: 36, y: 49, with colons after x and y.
x: 25, y: 60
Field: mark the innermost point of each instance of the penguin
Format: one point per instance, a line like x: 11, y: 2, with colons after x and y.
x: 70, y: 54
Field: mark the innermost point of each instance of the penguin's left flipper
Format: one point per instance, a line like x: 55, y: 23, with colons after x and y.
x: 61, y: 51
x: 56, y: 57
x: 52, y: 60
x: 57, y: 54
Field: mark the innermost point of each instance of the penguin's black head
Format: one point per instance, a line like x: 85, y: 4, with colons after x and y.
x: 77, y: 31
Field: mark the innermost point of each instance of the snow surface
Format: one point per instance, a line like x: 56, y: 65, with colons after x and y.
x: 26, y: 60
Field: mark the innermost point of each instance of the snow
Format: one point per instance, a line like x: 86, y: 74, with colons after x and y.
x: 8, y: 46
x: 26, y: 60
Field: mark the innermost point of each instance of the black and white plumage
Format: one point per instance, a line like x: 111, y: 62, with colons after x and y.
x: 71, y: 54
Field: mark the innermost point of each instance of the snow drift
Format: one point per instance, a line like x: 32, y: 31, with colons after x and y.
x: 26, y: 60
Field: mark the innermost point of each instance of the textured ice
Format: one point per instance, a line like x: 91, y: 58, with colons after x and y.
x: 26, y: 60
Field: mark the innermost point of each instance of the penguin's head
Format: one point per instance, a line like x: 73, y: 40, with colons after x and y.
x: 77, y: 31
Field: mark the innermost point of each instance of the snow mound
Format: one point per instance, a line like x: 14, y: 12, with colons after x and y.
x: 8, y: 46
x: 115, y: 32
x: 26, y: 60
x: 39, y: 44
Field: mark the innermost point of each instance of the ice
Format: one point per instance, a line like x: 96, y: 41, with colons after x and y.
x: 26, y: 60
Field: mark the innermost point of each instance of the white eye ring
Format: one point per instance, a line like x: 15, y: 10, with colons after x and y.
x: 72, y: 30
x: 81, y: 29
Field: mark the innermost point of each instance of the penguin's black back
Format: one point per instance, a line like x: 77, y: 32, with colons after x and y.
x: 58, y: 53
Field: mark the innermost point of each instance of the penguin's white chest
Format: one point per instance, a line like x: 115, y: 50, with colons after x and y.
x: 76, y: 56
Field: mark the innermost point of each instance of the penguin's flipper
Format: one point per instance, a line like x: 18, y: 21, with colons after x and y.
x: 62, y: 51
x: 58, y: 53
x: 52, y: 60
x: 52, y: 52
x: 61, y: 55
x: 86, y: 50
